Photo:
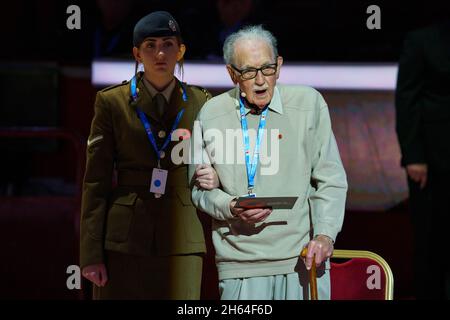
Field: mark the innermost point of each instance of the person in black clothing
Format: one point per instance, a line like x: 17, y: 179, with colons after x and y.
x: 423, y: 129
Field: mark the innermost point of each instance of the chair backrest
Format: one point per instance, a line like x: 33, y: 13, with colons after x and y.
x: 363, y: 275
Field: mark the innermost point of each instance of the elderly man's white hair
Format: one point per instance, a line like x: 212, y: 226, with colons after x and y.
x: 248, y: 33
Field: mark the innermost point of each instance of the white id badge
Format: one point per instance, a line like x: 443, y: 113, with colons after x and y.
x: 159, y: 179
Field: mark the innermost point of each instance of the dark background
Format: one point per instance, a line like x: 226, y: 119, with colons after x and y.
x: 307, y: 30
x: 45, y: 82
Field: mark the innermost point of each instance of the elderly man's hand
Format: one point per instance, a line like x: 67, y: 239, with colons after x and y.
x: 206, y: 177
x: 418, y: 173
x: 322, y: 247
x: 250, y: 216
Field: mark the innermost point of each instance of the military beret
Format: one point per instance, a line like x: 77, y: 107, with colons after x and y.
x: 155, y: 24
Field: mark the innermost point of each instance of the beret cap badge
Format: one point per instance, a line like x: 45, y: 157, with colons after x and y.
x: 172, y: 25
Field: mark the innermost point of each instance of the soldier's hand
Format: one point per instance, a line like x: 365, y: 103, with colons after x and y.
x: 418, y: 173
x: 96, y: 273
x: 206, y: 177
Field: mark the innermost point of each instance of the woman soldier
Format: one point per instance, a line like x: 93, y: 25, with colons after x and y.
x: 142, y: 239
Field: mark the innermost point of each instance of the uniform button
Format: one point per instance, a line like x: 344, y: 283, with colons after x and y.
x: 162, y: 154
x: 162, y: 134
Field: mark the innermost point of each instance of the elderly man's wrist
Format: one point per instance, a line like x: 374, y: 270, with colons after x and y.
x: 325, y: 237
x: 232, y: 204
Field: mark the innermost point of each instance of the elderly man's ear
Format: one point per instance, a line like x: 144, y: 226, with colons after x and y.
x: 279, y: 64
x: 232, y: 74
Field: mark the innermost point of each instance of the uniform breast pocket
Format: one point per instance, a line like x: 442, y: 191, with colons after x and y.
x: 120, y: 217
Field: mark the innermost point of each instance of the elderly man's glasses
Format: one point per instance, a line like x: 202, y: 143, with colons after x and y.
x: 250, y: 73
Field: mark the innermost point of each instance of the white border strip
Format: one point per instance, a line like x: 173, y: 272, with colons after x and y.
x: 320, y: 76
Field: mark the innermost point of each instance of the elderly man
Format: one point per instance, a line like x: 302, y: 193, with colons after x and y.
x: 258, y: 249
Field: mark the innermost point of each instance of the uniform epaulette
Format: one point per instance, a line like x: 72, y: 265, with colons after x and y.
x: 205, y: 92
x: 115, y: 86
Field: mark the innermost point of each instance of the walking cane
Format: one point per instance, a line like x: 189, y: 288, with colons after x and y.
x: 312, y: 275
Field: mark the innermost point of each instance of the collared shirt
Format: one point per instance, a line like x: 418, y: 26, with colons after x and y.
x: 167, y: 92
x: 274, y: 105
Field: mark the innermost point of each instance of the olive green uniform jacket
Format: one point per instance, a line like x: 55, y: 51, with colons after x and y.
x: 127, y: 218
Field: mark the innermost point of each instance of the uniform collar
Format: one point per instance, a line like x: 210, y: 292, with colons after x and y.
x: 176, y: 101
x: 274, y: 105
x: 145, y: 103
x: 144, y: 99
x: 167, y: 92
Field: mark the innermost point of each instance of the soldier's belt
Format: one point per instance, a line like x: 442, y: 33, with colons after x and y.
x: 178, y: 177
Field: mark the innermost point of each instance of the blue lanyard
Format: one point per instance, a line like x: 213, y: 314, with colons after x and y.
x: 134, y: 94
x: 150, y: 135
x: 146, y: 123
x: 251, y: 167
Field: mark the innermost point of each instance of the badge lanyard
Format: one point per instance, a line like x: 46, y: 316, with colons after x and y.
x: 147, y: 126
x: 252, y: 166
